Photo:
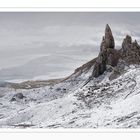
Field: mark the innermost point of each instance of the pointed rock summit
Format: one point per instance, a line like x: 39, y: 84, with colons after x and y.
x: 109, y: 39
x: 107, y: 55
x: 130, y: 51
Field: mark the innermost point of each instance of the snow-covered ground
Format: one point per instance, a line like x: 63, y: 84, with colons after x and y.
x: 100, y: 103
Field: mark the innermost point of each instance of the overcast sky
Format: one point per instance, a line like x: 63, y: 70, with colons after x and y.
x: 27, y: 36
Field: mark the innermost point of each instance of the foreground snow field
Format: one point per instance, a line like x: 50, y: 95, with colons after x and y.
x: 98, y: 103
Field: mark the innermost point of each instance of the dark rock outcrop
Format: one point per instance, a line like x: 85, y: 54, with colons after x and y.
x: 107, y: 55
x: 109, y: 39
x: 17, y: 96
x: 130, y: 51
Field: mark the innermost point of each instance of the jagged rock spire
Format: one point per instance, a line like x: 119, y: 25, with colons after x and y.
x: 130, y: 51
x: 109, y: 39
x: 107, y: 54
x: 127, y: 40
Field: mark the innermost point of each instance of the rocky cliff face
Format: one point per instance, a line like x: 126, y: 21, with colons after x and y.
x: 108, y: 55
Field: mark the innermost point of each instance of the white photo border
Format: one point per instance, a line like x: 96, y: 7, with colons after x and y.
x: 68, y: 9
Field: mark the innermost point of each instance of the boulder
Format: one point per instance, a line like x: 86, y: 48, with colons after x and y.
x: 17, y: 97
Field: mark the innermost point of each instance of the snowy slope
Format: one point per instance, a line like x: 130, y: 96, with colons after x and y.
x: 100, y: 103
